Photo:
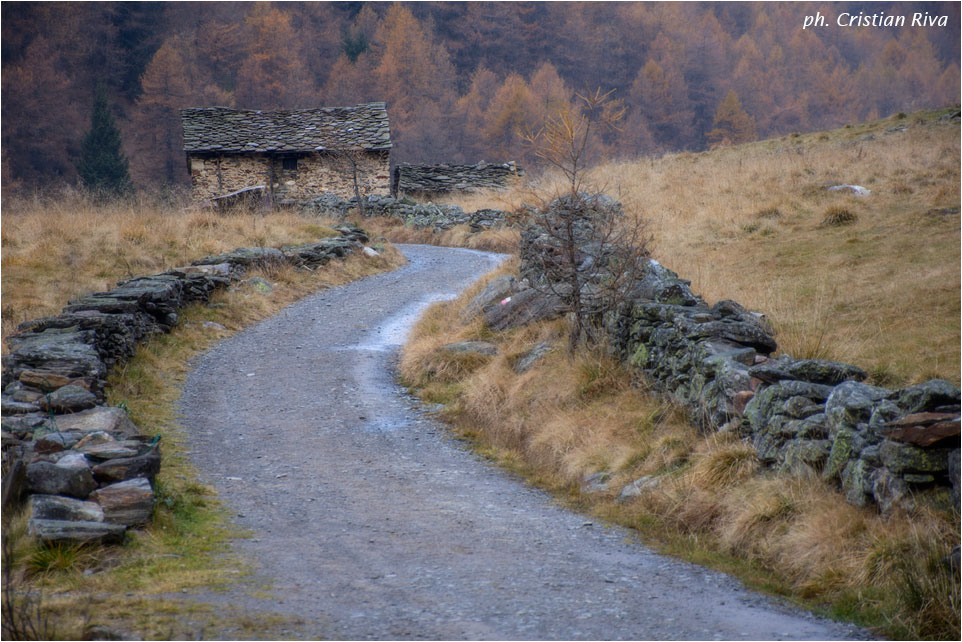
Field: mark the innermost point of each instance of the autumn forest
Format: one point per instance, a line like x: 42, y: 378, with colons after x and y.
x: 462, y: 81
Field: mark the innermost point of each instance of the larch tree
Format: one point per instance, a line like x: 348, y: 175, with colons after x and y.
x: 157, y: 137
x: 660, y: 94
x: 272, y: 74
x: 505, y: 119
x: 417, y: 78
x: 732, y: 123
x: 41, y: 130
x: 468, y: 121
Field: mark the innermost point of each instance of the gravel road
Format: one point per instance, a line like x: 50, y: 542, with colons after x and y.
x: 371, y: 523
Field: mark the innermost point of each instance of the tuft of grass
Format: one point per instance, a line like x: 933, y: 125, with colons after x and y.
x: 837, y: 216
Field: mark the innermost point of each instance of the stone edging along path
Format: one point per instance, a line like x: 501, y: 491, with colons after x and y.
x: 87, y: 469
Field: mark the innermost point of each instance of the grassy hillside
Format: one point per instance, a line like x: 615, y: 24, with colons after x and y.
x: 872, y: 280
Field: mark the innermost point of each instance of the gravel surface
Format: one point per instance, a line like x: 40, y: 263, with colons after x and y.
x: 371, y: 523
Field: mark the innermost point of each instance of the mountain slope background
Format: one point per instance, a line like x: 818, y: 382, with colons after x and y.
x: 462, y: 80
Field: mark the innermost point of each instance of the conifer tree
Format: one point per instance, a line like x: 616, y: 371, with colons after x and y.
x: 102, y: 166
x: 733, y: 125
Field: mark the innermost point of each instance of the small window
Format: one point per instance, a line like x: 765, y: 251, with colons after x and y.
x: 290, y: 163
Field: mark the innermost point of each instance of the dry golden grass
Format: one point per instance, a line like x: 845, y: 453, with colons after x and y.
x: 55, y: 249
x: 569, y: 417
x: 746, y: 223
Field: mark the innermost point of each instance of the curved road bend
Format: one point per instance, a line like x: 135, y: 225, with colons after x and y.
x: 370, y: 523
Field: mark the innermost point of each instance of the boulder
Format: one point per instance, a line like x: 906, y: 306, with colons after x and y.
x: 56, y: 441
x: 596, y: 482
x: 852, y: 403
x: 69, y: 398
x: 130, y: 502
x: 74, y: 460
x: 100, y: 419
x: 244, y: 257
x: 112, y: 449
x: 638, y: 487
x: 495, y: 291
x: 482, y: 348
x: 927, y: 396
x: 906, y: 458
x: 829, y: 373
x: 924, y: 429
x: 10, y: 406
x: 527, y: 360
x: 527, y: 306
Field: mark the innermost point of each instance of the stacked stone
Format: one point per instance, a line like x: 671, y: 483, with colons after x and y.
x: 440, y: 179
x: 804, y: 416
x: 416, y: 215
x: 85, y: 465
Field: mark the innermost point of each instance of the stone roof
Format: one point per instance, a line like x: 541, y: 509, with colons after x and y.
x: 454, y: 178
x: 233, y: 131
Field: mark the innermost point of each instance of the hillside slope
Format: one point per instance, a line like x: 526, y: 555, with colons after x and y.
x: 872, y: 279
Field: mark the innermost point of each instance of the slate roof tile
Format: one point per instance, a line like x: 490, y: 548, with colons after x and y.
x: 224, y: 130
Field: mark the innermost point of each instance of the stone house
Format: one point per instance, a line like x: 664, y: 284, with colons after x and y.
x: 287, y: 155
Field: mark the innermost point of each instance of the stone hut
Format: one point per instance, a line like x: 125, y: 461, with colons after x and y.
x: 287, y: 155
x: 425, y: 181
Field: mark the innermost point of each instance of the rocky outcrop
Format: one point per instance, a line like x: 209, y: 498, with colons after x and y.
x: 425, y: 180
x: 803, y: 416
x: 87, y: 467
x: 417, y: 215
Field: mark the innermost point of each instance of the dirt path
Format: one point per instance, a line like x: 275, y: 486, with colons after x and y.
x: 370, y: 523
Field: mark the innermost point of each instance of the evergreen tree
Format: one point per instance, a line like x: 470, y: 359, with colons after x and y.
x: 102, y: 166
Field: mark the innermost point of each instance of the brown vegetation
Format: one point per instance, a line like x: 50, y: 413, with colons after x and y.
x: 460, y: 79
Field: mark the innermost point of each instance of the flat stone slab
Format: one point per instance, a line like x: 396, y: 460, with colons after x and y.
x: 57, y: 507
x: 79, y: 532
x: 102, y: 418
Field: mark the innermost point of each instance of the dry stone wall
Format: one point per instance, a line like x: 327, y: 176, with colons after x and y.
x: 806, y: 417
x: 87, y: 469
x: 412, y: 213
x: 427, y: 180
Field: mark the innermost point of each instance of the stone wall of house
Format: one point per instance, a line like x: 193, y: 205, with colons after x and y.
x: 315, y: 173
